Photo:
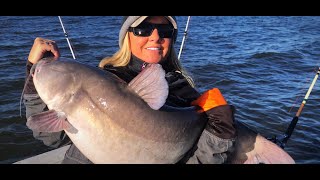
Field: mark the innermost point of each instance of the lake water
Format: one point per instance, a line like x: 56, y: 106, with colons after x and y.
x: 262, y: 65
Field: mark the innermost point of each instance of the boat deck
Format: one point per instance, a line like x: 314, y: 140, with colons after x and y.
x: 51, y: 157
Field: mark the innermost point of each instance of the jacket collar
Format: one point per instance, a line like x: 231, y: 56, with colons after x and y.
x: 136, y: 65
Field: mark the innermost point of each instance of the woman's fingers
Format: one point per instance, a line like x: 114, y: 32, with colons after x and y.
x: 41, y: 47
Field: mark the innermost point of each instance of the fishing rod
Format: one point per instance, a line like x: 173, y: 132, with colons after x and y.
x: 66, y: 35
x: 284, y: 138
x: 184, y: 37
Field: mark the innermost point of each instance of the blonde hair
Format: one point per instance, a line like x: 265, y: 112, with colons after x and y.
x: 123, y: 55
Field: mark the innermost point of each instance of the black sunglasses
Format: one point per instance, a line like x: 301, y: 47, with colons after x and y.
x: 145, y: 29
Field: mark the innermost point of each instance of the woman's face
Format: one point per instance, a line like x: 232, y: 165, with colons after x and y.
x: 153, y: 48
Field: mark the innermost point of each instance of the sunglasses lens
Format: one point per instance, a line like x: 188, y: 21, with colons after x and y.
x: 146, y: 29
x: 143, y: 30
x: 165, y: 30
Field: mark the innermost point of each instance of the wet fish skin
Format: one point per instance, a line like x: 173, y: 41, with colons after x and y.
x: 110, y: 121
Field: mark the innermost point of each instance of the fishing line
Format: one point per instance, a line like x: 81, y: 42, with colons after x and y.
x: 25, y: 86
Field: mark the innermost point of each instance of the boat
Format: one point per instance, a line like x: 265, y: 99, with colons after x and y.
x: 51, y: 157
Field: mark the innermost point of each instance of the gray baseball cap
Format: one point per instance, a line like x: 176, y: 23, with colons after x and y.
x: 134, y: 21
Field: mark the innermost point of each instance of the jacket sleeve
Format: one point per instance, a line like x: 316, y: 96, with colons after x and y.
x: 218, y: 137
x: 34, y: 105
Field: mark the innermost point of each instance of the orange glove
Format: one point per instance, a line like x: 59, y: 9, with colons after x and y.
x: 210, y: 99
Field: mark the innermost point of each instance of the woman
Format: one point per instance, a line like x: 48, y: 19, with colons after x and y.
x: 143, y: 40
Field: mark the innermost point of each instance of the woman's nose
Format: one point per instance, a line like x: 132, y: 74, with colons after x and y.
x: 155, y: 35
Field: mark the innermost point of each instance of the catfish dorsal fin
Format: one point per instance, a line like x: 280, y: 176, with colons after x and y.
x: 150, y: 84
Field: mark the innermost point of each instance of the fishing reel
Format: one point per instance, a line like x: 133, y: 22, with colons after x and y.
x: 280, y: 141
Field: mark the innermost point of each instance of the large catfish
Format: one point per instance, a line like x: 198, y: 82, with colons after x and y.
x: 111, y: 121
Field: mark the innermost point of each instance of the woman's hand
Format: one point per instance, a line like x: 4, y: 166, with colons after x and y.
x: 40, y: 49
